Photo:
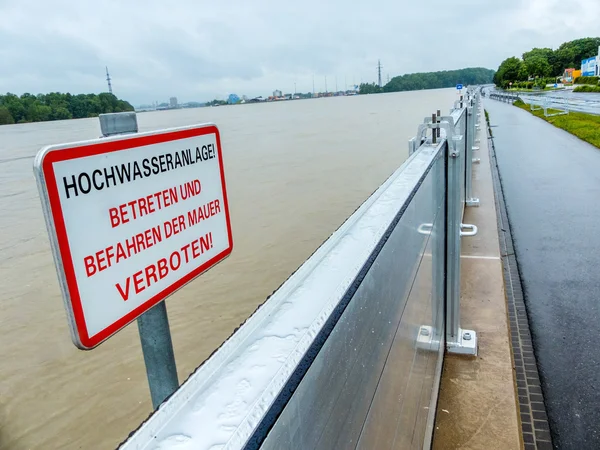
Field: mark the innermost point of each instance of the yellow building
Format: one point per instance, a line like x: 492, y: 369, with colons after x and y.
x: 570, y: 75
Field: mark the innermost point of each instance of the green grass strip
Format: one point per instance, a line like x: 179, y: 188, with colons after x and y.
x: 584, y: 126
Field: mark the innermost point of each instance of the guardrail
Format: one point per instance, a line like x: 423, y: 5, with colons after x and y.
x: 560, y: 104
x: 504, y: 96
x: 348, y: 352
x: 564, y: 104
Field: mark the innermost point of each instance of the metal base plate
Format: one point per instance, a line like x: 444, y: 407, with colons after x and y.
x: 467, y: 344
x: 425, y: 339
x: 472, y: 202
x: 476, y: 160
x: 425, y: 336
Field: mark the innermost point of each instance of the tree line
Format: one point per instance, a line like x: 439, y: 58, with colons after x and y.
x: 431, y: 80
x: 541, y: 63
x: 57, y: 106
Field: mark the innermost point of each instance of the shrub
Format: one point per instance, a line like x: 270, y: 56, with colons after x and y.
x: 587, y: 80
x: 587, y: 88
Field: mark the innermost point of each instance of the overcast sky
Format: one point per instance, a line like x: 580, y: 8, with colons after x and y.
x: 200, y: 50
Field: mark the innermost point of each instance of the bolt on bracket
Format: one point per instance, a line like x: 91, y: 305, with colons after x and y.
x: 465, y: 345
x: 426, y: 339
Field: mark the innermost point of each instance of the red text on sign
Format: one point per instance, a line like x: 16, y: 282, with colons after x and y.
x: 152, y: 273
x: 190, y: 189
x: 142, y: 206
x: 147, y: 205
x: 174, y: 226
x: 113, y: 254
x: 204, y: 212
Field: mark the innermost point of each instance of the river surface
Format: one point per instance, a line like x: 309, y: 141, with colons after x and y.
x: 295, y: 171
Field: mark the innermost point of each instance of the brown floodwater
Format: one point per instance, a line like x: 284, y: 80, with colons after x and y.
x: 295, y: 171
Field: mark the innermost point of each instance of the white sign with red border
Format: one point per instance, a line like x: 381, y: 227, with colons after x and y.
x: 131, y: 220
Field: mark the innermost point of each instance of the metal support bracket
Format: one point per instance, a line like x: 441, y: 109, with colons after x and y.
x: 458, y: 172
x: 472, y: 202
x: 427, y: 340
x: 465, y: 345
x: 422, y: 130
x: 559, y: 113
x: 445, y: 123
x: 455, y: 150
x: 412, y: 145
x: 535, y: 107
x: 425, y: 228
x: 476, y: 160
x: 468, y: 226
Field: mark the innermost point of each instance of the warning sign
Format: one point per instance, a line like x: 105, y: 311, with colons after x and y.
x: 131, y: 220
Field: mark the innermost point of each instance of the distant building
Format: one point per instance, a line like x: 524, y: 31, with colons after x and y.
x: 245, y: 98
x: 589, y: 67
x: 191, y: 105
x: 173, y: 102
x: 277, y: 93
x: 570, y: 74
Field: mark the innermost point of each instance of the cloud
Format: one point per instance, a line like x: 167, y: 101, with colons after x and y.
x: 198, y: 50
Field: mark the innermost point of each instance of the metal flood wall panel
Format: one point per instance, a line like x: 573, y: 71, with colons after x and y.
x: 371, y: 385
x: 461, y: 129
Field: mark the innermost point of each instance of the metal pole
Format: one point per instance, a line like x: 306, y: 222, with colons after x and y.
x: 157, y: 347
x: 439, y: 130
x: 457, y: 340
x: 153, y: 325
x: 453, y: 221
x: 433, y: 131
x: 470, y: 201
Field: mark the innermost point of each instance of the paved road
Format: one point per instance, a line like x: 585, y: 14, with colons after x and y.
x: 575, y: 95
x: 551, y: 185
x: 566, y: 93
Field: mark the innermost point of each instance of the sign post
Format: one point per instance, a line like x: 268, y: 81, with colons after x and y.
x: 159, y: 357
x: 153, y: 325
x: 132, y: 218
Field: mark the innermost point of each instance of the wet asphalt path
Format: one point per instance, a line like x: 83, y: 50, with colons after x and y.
x: 551, y: 183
